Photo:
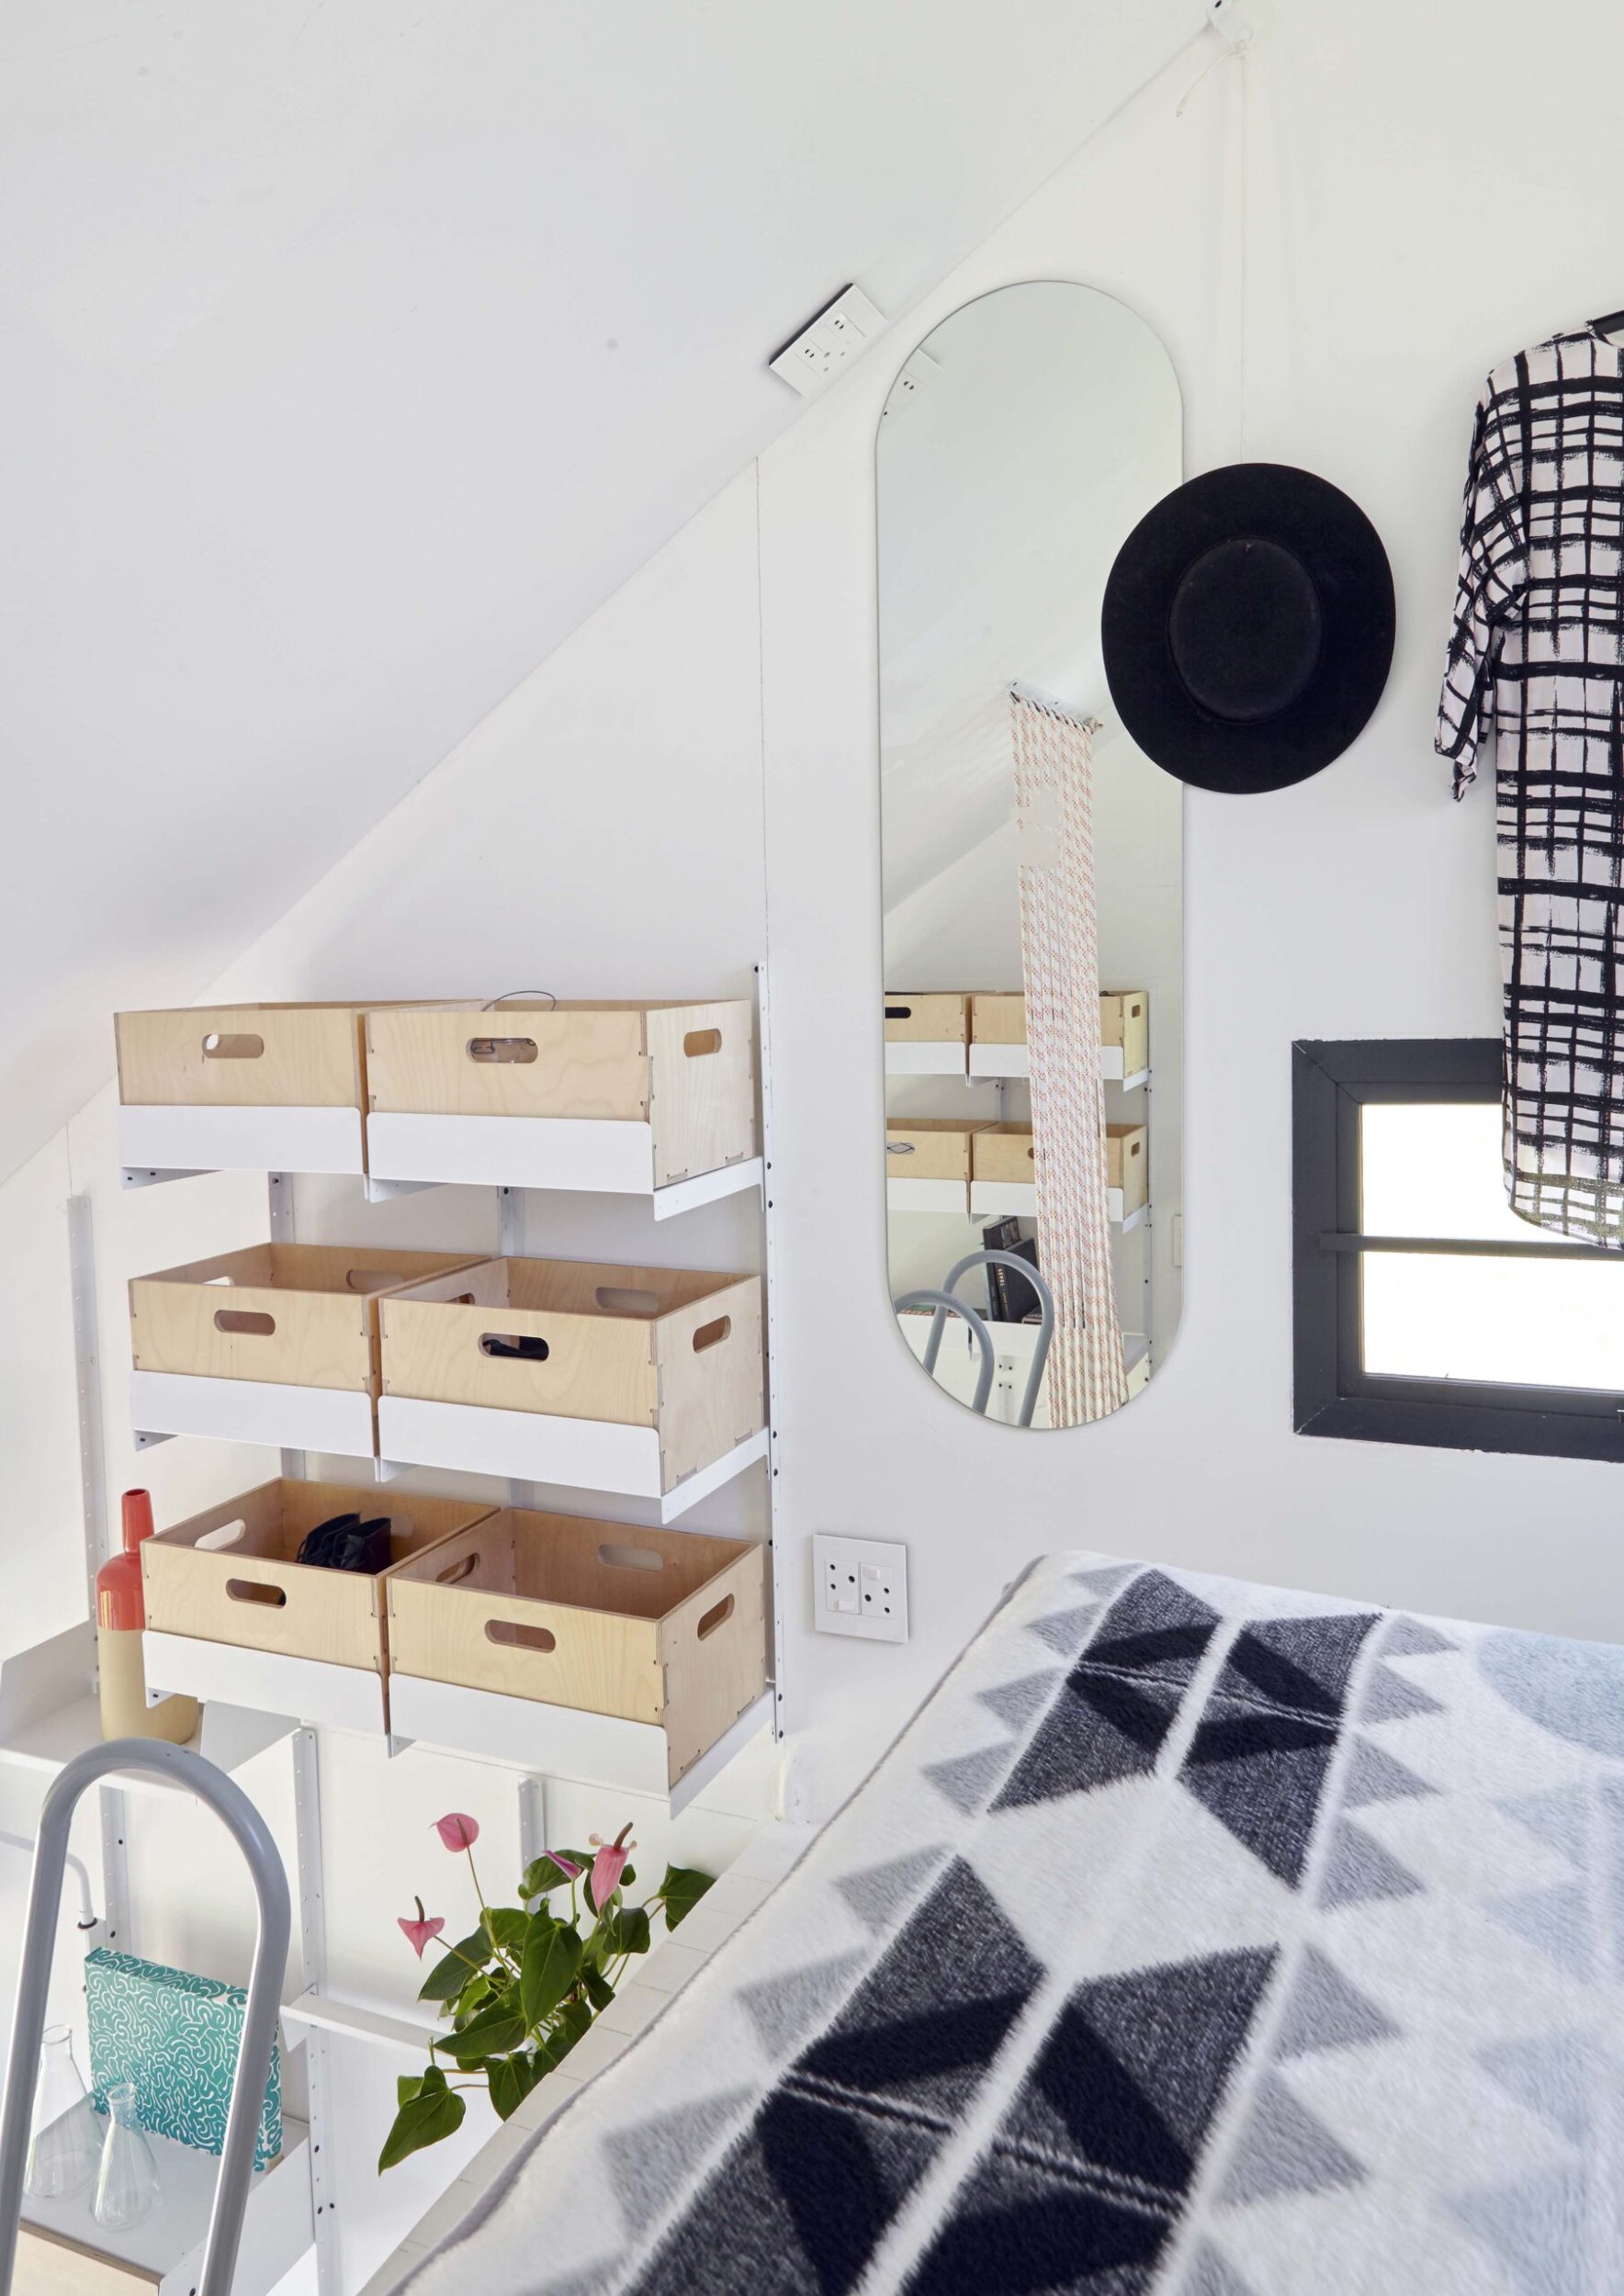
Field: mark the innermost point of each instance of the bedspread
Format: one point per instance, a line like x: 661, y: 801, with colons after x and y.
x: 1196, y: 1938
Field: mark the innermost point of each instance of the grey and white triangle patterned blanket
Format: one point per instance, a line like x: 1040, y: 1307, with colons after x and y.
x: 1197, y: 1939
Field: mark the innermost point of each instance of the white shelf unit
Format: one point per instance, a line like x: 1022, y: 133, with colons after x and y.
x: 164, y: 2253
x: 525, y: 1448
x: 48, y: 1715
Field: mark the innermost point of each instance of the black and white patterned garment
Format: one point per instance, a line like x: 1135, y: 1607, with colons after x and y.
x: 1197, y: 1939
x: 1537, y: 652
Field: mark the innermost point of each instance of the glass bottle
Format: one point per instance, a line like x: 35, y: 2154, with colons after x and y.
x: 65, y: 2141
x: 126, y: 2184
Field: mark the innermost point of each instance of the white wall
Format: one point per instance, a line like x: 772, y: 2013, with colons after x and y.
x: 1398, y: 243
x: 605, y: 828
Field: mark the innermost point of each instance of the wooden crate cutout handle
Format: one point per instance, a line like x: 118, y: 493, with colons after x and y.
x: 216, y: 1047
x: 699, y: 1042
x: 615, y: 1300
x: 230, y: 1534
x: 514, y: 1347
x: 246, y: 1322
x: 717, y: 1615
x: 899, y: 1012
x: 713, y: 1334
x: 630, y: 1557
x: 512, y: 1636
x: 899, y: 1148
x: 455, y: 1573
x: 517, y: 1052
x: 256, y: 1591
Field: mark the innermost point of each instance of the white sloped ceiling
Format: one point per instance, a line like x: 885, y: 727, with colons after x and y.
x: 355, y: 350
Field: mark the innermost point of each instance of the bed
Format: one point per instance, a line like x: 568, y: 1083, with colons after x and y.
x: 1197, y: 1938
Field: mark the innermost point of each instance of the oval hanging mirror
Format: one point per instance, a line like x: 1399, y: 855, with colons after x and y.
x: 1032, y: 864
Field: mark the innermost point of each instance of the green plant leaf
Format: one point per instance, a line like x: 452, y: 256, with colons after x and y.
x: 596, y: 1987
x: 423, y: 2119
x: 552, y: 1958
x: 508, y: 1925
x: 448, y: 1976
x: 512, y: 2078
x: 628, y: 1926
x: 492, y: 2033
x: 407, y: 2087
x: 542, y: 1875
x: 682, y: 1890
x: 434, y: 2083
x: 475, y: 1996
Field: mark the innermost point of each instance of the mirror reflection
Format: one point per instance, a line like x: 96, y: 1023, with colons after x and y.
x: 1032, y: 864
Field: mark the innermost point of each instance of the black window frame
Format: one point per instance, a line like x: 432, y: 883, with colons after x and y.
x: 1333, y: 1394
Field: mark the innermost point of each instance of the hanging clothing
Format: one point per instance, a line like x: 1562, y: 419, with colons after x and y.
x: 1536, y: 656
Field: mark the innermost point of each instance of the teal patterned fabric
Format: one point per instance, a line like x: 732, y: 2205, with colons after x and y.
x: 176, y: 2036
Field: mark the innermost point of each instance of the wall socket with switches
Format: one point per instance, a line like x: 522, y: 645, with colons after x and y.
x: 841, y: 332
x: 860, y: 1587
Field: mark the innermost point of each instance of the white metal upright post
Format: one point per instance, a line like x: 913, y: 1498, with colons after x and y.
x: 92, y: 1489
x: 776, y: 1555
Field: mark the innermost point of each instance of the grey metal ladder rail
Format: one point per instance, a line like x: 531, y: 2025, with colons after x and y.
x: 945, y: 1304
x: 253, y: 1837
x: 1040, y: 1353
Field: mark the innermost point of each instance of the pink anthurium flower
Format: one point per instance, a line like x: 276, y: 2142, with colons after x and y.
x: 423, y: 1931
x: 564, y: 1864
x: 457, y: 1831
x: 609, y: 1864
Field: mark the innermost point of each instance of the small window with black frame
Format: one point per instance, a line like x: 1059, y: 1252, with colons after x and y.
x: 1425, y: 1310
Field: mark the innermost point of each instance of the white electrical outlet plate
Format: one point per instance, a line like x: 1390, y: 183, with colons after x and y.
x: 841, y: 332
x: 860, y: 1587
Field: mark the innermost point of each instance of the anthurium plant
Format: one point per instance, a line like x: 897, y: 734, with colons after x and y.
x: 523, y: 1987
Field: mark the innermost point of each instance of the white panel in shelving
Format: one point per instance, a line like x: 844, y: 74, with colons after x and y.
x: 615, y: 1158
x: 546, y: 1447
x: 252, y: 1411
x: 586, y: 1154
x: 561, y: 1742
x: 1003, y: 1199
x: 925, y: 1059
x: 940, y: 1196
x: 341, y: 1697
x: 240, y: 1139
x: 1000, y: 1059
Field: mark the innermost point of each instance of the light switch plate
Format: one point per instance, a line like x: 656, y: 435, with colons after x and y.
x: 860, y: 1587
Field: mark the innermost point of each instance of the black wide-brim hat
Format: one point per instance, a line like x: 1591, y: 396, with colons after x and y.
x: 1247, y: 628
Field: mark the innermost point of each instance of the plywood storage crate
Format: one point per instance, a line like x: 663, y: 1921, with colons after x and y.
x: 937, y: 1016
x: 684, y: 1073
x: 929, y: 1147
x: 672, y: 1349
x: 998, y: 1018
x: 1004, y: 1153
x: 267, y: 1087
x: 251, y: 1591
x: 667, y: 1628
x: 1124, y: 1019
x: 298, y: 1314
x: 1127, y: 1163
